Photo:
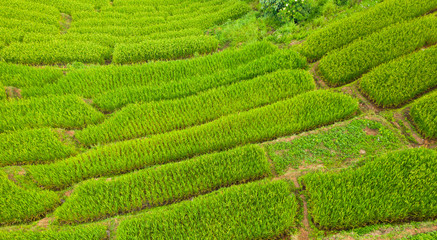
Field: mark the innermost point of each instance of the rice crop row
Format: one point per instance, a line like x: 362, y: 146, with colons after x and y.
x: 259, y: 210
x: 424, y: 115
x: 284, y: 59
x: 2, y: 91
x: 55, y: 52
x: 53, y: 111
x: 18, y: 205
x: 303, y: 112
x: 87, y: 231
x: 26, y: 5
x: 26, y: 76
x: 8, y: 36
x: 164, y: 49
x: 145, y: 119
x: 66, y: 6
x: 343, y: 32
x: 343, y: 66
x: 28, y: 26
x: 398, y: 186
x: 95, y: 199
x: 134, y: 22
x: 29, y: 15
x: 402, y: 79
x: 92, y: 81
x: 32, y: 146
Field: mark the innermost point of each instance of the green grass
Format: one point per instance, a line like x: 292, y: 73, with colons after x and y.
x: 396, y: 82
x: 301, y: 113
x: 398, y: 186
x: 53, y: 111
x: 344, y: 31
x: 344, y: 65
x: 335, y: 146
x: 424, y: 115
x: 143, y: 119
x: 18, y: 205
x: 259, y: 210
x: 117, y: 98
x: 161, y: 185
x: 423, y: 236
x: 32, y: 146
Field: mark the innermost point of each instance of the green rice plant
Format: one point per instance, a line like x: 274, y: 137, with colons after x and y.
x: 259, y: 210
x: 132, y: 22
x: 344, y: 31
x: 52, y: 111
x: 398, y: 186
x: 100, y: 39
x: 8, y: 36
x: 19, y: 205
x: 284, y: 59
x: 164, y: 49
x: 423, y: 112
x: 96, y: 3
x: 92, y: 200
x: 26, y: 5
x: 145, y: 119
x: 29, y: 15
x: 396, y: 82
x: 67, y: 6
x: 88, y: 231
x: 2, y: 92
x: 26, y: 76
x: 33, y: 146
x: 92, y: 81
x: 300, y: 113
x: 55, y: 52
x: 345, y: 65
x: 28, y: 26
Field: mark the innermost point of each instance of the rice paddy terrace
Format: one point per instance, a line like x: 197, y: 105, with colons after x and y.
x: 136, y: 119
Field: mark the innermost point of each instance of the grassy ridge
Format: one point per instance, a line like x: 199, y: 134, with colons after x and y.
x: 117, y: 98
x: 91, y: 81
x: 145, y: 119
x: 164, y: 49
x: 343, y: 66
x: 343, y: 32
x: 55, y: 52
x: 297, y: 114
x: 53, y: 111
x: 252, y: 211
x: 165, y: 184
x: 88, y: 232
x: 26, y: 76
x: 424, y: 115
x: 32, y: 146
x: 398, y: 81
x: 18, y: 205
x: 394, y: 187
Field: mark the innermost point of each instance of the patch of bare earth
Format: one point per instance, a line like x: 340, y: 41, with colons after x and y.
x: 45, y: 222
x: 68, y: 193
x: 13, y: 92
x: 319, y: 81
x: 372, y: 132
x: 412, y: 132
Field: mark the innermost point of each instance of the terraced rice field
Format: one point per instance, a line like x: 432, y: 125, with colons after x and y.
x: 190, y: 119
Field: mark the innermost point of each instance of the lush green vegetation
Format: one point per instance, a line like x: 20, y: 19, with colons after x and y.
x: 334, y: 146
x: 52, y: 111
x: 303, y: 112
x: 163, y: 184
x: 343, y: 32
x: 141, y: 119
x: 424, y: 115
x: 402, y: 79
x: 2, y: 91
x: 397, y: 186
x: 19, y: 205
x: 423, y: 236
x: 345, y: 65
x: 32, y: 146
x: 250, y: 211
x: 25, y: 76
x: 90, y: 231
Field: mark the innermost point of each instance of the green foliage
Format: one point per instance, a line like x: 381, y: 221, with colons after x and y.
x: 424, y: 115
x: 164, y: 49
x: 260, y: 210
x: 27, y: 26
x: 343, y: 66
x: 67, y: 6
x: 94, y: 199
x: 18, y: 205
x: 343, y: 32
x: 301, y: 113
x: 423, y: 236
x: 29, y: 15
x: 394, y: 187
x: 92, y: 81
x: 402, y: 79
x: 29, y: 5
x: 2, y: 91
x: 32, y: 146
x: 55, y: 52
x: 334, y: 146
x: 89, y: 232
x: 117, y: 98
x: 52, y: 111
x: 287, y: 10
x: 145, y: 119
x: 26, y: 76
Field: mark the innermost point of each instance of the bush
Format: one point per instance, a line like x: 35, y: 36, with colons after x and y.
x: 424, y: 115
x: 287, y: 10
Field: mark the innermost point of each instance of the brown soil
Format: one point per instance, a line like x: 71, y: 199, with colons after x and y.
x: 70, y: 133
x: 45, y: 222
x: 319, y: 81
x: 304, y: 231
x: 372, y: 132
x: 68, y: 193
x: 417, y: 137
x: 13, y: 92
